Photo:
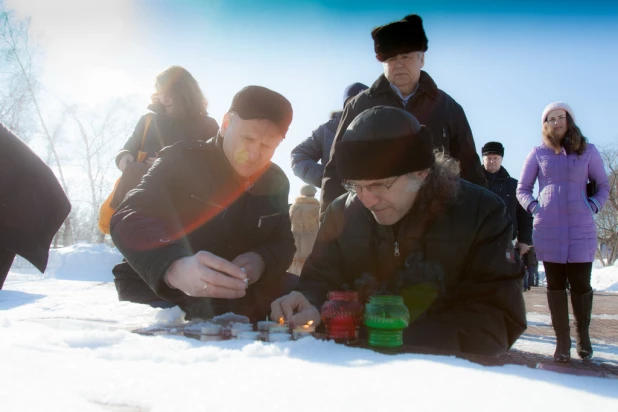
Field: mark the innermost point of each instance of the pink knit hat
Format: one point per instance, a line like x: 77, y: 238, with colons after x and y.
x: 557, y: 105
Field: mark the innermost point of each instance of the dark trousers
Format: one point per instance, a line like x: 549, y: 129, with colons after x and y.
x: 6, y: 260
x: 577, y: 274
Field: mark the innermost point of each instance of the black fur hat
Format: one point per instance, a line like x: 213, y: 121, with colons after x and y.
x: 493, y: 148
x: 403, y: 36
x: 383, y: 142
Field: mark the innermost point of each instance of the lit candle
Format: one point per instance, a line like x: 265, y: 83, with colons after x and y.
x: 281, y: 327
x: 304, y: 330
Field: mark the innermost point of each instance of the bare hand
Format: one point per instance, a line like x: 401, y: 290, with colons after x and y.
x: 252, y: 263
x: 285, y: 306
x: 207, y: 275
x: 150, y: 161
x: 523, y: 249
x: 124, y: 160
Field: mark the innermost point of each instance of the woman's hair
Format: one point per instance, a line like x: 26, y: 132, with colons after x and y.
x: 573, y: 142
x: 440, y: 188
x: 178, y: 83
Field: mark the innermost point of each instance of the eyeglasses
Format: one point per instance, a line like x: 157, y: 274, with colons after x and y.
x: 376, y: 189
x: 560, y: 118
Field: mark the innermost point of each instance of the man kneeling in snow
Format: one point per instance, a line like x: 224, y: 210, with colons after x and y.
x: 410, y: 226
x: 208, y: 227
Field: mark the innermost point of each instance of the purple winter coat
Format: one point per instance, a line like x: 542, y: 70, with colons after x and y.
x: 564, y: 229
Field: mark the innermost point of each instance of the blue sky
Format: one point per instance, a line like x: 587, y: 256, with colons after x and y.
x: 502, y: 61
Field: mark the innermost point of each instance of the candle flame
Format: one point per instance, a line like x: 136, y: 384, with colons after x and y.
x: 281, y: 322
x: 310, y: 323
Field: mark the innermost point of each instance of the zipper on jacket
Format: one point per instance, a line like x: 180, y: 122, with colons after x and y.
x: 267, y: 216
x: 397, y: 248
x: 395, y: 242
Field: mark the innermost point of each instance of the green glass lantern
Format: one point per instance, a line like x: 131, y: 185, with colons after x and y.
x: 386, y: 316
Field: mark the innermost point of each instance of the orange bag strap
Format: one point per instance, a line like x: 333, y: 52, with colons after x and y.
x: 141, y: 155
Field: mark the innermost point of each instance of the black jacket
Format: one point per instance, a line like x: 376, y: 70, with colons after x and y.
x: 459, y: 279
x: 33, y: 205
x: 502, y: 184
x: 190, y: 200
x: 433, y: 108
x: 315, y: 148
x: 165, y: 131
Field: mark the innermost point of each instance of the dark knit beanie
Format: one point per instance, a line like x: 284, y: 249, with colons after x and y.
x: 352, y: 90
x: 403, y: 36
x: 257, y: 102
x: 383, y: 142
x: 493, y: 148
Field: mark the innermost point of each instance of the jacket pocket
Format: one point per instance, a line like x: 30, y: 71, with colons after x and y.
x: 267, y: 220
x: 587, y: 202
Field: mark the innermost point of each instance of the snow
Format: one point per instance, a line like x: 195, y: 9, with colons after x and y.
x: 66, y: 345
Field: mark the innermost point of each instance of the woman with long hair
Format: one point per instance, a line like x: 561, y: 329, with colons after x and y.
x: 179, y: 112
x: 564, y: 233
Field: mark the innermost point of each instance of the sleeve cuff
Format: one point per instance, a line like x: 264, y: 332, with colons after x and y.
x: 596, y: 204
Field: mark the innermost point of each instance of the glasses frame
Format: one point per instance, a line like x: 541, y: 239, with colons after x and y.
x: 351, y: 188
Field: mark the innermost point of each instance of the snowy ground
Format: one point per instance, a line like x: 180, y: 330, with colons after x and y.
x: 66, y: 345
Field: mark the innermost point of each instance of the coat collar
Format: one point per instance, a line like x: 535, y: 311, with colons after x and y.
x: 425, y: 84
x: 501, y: 174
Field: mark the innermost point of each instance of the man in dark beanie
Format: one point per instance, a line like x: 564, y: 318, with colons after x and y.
x: 208, y: 227
x: 410, y: 226
x: 312, y: 154
x: 502, y: 184
x: 400, y: 46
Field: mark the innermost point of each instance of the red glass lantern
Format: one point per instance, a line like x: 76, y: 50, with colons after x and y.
x: 342, y: 315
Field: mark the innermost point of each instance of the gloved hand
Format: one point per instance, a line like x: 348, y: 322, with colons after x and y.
x: 126, y: 158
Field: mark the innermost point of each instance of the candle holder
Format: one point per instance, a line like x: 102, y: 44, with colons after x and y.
x: 236, y: 328
x: 342, y: 315
x: 279, y: 337
x: 386, y: 316
x: 264, y: 325
x: 248, y: 335
x: 211, y: 329
x: 302, y: 331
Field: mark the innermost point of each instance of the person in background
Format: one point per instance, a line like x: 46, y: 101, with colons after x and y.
x: 179, y: 112
x: 400, y: 46
x: 501, y: 183
x: 33, y: 205
x: 564, y: 231
x: 208, y: 227
x: 312, y: 154
x: 412, y: 227
x: 305, y: 215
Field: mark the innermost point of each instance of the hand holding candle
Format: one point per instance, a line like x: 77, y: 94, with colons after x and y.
x: 295, y: 309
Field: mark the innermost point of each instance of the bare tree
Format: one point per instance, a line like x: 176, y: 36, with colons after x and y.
x: 19, y: 67
x: 607, y: 219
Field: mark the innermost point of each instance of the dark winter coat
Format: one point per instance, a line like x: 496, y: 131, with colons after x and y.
x: 315, y: 148
x: 433, y: 108
x: 461, y: 282
x: 502, y: 184
x: 33, y: 205
x: 165, y: 131
x: 190, y: 200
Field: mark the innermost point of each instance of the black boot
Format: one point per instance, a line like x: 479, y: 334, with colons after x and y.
x: 582, y: 309
x: 559, y: 308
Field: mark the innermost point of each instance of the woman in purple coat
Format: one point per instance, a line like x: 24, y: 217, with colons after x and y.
x: 564, y: 233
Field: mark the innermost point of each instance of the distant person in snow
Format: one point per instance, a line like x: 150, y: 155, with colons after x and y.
x: 179, y: 112
x: 400, y: 46
x: 312, y: 154
x: 305, y: 216
x: 208, y: 227
x: 412, y: 227
x: 564, y: 231
x: 33, y: 205
x: 501, y: 183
